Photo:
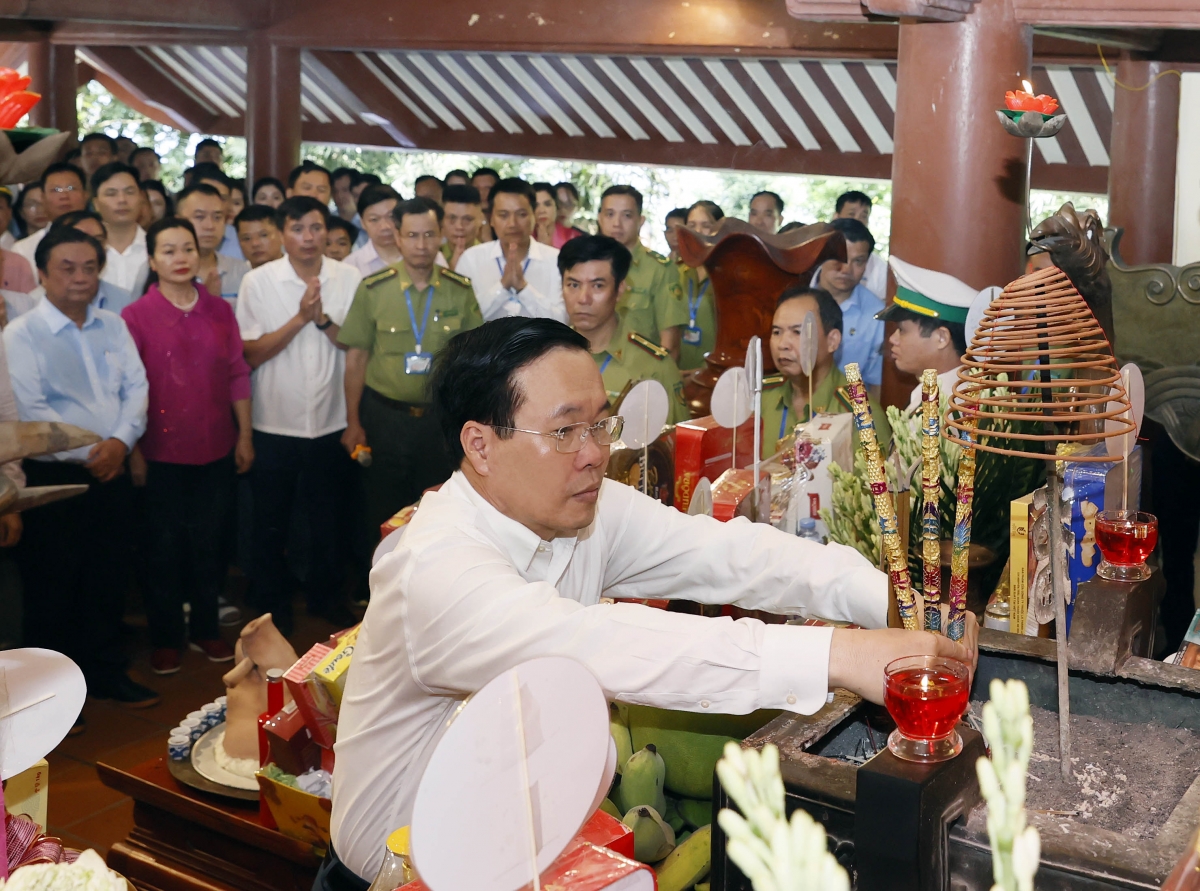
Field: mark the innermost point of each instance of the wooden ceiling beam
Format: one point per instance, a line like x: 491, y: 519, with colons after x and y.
x: 407, y: 131
x: 140, y: 79
x: 234, y: 15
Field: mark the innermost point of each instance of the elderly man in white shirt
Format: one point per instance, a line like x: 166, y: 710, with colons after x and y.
x: 290, y: 311
x: 510, y: 559
x: 514, y: 275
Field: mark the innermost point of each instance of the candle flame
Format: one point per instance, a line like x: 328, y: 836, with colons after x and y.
x: 1027, y: 86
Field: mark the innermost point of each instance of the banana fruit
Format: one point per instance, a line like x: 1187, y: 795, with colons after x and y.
x: 609, y: 808
x: 695, y: 812
x: 688, y: 863
x: 642, y: 782
x: 671, y: 815
x: 619, y: 729
x: 653, y: 839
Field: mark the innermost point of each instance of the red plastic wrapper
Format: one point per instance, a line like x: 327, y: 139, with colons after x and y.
x: 586, y: 867
x: 704, y: 449
x: 311, y: 697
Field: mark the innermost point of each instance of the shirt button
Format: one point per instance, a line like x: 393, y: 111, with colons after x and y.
x: 791, y: 700
x: 703, y: 703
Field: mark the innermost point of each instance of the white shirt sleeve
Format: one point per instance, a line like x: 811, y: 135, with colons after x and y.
x: 248, y: 297
x: 542, y: 306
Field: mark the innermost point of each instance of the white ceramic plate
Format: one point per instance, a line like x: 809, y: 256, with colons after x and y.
x: 204, y: 759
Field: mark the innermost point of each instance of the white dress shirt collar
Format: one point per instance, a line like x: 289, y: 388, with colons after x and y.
x: 56, y: 320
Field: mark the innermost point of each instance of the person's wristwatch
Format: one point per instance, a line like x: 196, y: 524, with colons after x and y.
x: 324, y: 323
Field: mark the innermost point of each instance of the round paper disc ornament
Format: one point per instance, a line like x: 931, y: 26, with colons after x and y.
x: 41, y: 695
x: 645, y: 411
x: 1121, y: 444
x: 731, y: 399
x: 513, y: 778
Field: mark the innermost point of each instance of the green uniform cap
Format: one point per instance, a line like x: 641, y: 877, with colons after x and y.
x: 925, y: 292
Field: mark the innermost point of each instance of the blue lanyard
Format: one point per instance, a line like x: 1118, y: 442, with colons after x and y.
x: 419, y: 332
x: 694, y: 305
x: 783, y: 422
x: 500, y: 266
x: 604, y: 364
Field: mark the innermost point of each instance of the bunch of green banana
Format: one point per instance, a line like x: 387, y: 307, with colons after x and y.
x: 688, y: 863
x: 653, y: 839
x: 618, y: 726
x: 642, y: 782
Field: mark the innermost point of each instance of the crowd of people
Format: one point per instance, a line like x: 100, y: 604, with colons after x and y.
x: 255, y: 363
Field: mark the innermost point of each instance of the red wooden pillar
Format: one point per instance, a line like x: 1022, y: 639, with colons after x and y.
x: 958, y: 179
x: 272, y: 109
x: 52, y: 73
x: 1141, y: 174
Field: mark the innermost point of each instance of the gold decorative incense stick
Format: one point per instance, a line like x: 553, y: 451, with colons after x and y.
x: 956, y: 621
x: 931, y: 488
x: 885, y: 508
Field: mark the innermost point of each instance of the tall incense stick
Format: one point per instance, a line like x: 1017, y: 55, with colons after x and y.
x: 931, y: 489
x: 956, y: 621
x: 885, y: 508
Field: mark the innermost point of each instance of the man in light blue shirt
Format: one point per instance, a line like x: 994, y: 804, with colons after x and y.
x: 72, y: 362
x: 862, y: 334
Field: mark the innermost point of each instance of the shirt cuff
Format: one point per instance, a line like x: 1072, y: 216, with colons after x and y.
x: 795, y: 667
x: 128, y: 434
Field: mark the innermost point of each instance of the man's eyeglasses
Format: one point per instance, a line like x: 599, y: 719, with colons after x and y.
x: 59, y: 190
x: 572, y: 437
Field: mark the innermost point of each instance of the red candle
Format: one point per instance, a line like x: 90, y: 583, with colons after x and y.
x: 926, y: 701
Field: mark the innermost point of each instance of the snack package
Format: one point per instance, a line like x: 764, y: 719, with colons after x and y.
x: 290, y: 741
x: 331, y: 671
x: 704, y: 449
x: 312, y: 697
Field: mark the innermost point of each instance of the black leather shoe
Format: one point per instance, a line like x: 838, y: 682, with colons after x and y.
x: 122, y: 690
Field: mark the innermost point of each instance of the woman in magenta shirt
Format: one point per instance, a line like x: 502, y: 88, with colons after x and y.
x: 198, y: 432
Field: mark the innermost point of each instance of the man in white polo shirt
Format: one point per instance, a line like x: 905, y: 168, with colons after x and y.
x: 514, y: 275
x: 290, y: 312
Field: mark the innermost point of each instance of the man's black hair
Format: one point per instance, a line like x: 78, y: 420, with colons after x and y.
x: 257, y: 213
x: 336, y: 222
x: 928, y: 324
x: 141, y: 150
x: 464, y: 194
x: 774, y: 196
x: 424, y: 178
x: 854, y: 231
x: 678, y: 213
x: 64, y: 235
x: 570, y: 187
x: 416, y: 206
x: 100, y: 137
x: 512, y: 186
x: 373, y: 195
x: 339, y: 172
x: 790, y: 227
x: 198, y: 188
x: 586, y: 248
x: 267, y: 181
x: 63, y: 167
x: 827, y: 308
x: 623, y: 190
x: 486, y: 171
x: 208, y: 143
x: 851, y: 197
x: 299, y: 206
x: 75, y: 217
x: 107, y: 171
x: 710, y: 207
x: 474, y: 376
x: 366, y: 179
x: 307, y: 167
x: 209, y: 170
x: 457, y: 171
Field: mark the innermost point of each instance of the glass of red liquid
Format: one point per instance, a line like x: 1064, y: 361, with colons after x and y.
x: 926, y: 696
x: 1125, y: 538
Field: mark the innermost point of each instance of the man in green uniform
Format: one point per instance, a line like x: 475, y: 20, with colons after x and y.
x: 652, y: 302
x: 401, y: 317
x: 593, y: 268
x: 785, y: 396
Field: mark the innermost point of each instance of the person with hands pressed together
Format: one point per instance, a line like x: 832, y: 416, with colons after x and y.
x: 72, y: 362
x: 514, y: 275
x: 289, y: 312
x: 199, y: 383
x: 401, y: 317
x: 463, y: 216
x: 511, y: 558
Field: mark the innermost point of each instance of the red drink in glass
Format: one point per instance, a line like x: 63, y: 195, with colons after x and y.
x: 1125, y: 538
x: 926, y: 696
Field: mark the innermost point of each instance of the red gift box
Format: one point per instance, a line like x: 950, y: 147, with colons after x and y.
x: 704, y: 449
x: 317, y: 707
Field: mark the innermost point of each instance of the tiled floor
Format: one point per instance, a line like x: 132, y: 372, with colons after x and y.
x: 85, y: 813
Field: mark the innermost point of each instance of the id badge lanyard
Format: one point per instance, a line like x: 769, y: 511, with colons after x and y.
x: 512, y: 295
x: 418, y: 362
x: 692, y: 334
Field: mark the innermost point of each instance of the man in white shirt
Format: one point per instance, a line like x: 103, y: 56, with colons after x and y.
x: 289, y: 312
x: 509, y: 562
x: 65, y: 191
x: 117, y: 198
x: 375, y: 206
x: 514, y: 275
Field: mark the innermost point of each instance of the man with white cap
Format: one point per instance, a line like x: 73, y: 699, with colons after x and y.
x: 930, y: 309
